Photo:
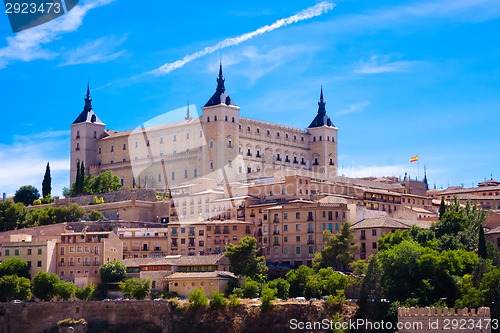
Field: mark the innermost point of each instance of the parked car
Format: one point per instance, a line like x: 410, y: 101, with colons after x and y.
x: 16, y: 301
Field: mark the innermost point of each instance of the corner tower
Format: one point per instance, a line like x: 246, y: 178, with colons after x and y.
x: 323, y: 141
x: 220, y: 123
x: 86, y: 130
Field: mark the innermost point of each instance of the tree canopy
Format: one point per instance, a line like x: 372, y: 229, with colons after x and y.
x: 44, y: 285
x: 338, y: 251
x: 26, y: 194
x: 136, y: 288
x: 103, y: 183
x: 244, y: 259
x: 113, y: 271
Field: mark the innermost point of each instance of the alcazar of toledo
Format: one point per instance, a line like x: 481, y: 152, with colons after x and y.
x: 219, y: 144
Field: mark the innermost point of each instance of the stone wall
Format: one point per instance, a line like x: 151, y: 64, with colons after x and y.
x: 120, y: 195
x: 431, y: 320
x: 160, y: 316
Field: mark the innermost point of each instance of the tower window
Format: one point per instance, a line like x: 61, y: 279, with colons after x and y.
x: 173, y: 175
x: 208, y: 119
x: 159, y: 178
x: 112, y: 148
x: 78, y: 134
x: 124, y: 146
x: 320, y: 138
x: 258, y: 130
x: 185, y: 173
x: 277, y: 134
x: 215, y: 118
x: 161, y: 140
x: 248, y: 129
x: 211, y: 165
x: 95, y: 134
x: 187, y: 135
x: 77, y: 146
x: 286, y: 136
x: 226, y: 118
x: 314, y: 138
x: 268, y: 133
x: 175, y: 138
x: 331, y: 161
x: 233, y: 119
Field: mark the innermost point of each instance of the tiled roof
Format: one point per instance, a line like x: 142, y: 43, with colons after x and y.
x: 385, y: 222
x: 201, y: 275
x: 218, y: 259
x: 494, y: 231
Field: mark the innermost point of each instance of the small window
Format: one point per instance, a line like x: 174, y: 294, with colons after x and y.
x: 39, y: 252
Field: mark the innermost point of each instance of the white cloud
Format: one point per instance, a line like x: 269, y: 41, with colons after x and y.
x: 305, y: 14
x: 255, y: 63
x: 358, y: 107
x: 382, y: 64
x: 24, y: 161
x: 27, y: 45
x: 100, y: 50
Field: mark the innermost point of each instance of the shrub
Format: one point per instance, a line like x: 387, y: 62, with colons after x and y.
x: 217, y: 300
x: 268, y: 294
x: 95, y: 215
x: 197, y: 299
x: 251, y: 289
x: 37, y: 202
x: 234, y: 301
x: 71, y: 322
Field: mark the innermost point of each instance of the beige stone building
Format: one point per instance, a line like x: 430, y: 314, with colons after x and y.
x: 206, y: 237
x: 144, y: 242
x: 184, y: 283
x: 219, y: 144
x: 368, y: 231
x: 81, y: 254
x: 494, y: 237
x: 39, y: 254
x: 158, y: 269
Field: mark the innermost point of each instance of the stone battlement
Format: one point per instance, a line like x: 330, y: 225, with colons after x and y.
x: 440, y: 312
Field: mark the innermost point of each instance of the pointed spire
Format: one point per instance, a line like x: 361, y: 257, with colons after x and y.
x: 321, y: 118
x: 88, y: 99
x: 188, y: 116
x: 220, y: 80
x: 321, y: 103
x: 425, y: 179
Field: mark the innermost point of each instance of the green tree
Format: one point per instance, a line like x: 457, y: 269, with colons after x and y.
x: 9, y: 286
x: 26, y: 194
x: 96, y: 215
x: 359, y: 267
x: 82, y: 178
x: 371, y: 286
x: 64, y: 290
x: 244, y: 260
x: 24, y: 289
x: 15, y: 266
x: 251, y: 289
x: 282, y: 287
x: 481, y: 248
x: 44, y: 285
x: 338, y: 251
x: 47, y: 182
x: 297, y: 279
x: 197, y: 299
x: 85, y: 293
x: 217, y: 300
x: 136, y: 288
x: 113, y: 271
x: 442, y: 207
x: 268, y: 295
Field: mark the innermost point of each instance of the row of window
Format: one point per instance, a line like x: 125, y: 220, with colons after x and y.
x: 28, y: 252
x: 268, y: 133
x: 72, y: 273
x: 79, y: 249
x: 310, y: 216
x: 310, y: 228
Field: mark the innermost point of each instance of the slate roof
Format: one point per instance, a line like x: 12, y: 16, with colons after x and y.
x: 88, y: 115
x: 220, y: 96
x: 201, y: 275
x: 321, y: 118
x: 388, y: 222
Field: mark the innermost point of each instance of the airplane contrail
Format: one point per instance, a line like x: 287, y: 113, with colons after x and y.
x: 316, y: 10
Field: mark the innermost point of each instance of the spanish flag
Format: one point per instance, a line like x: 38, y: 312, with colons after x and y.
x: 414, y: 158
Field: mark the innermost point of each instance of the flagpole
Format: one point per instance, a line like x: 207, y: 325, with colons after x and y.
x: 418, y: 169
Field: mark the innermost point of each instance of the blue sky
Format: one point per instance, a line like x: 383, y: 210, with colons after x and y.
x: 400, y: 78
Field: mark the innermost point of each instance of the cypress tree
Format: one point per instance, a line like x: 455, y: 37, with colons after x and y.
x: 442, y: 208
x: 481, y: 248
x: 82, y: 177
x: 46, y: 183
x: 77, y: 178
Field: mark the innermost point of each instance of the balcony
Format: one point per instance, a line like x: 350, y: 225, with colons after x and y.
x: 252, y: 214
x: 315, y: 163
x: 71, y: 264
x: 276, y: 232
x: 217, y: 231
x: 192, y: 233
x: 62, y: 263
x: 276, y: 243
x: 310, y: 241
x: 175, y: 245
x: 276, y: 220
x: 226, y: 231
x: 249, y: 154
x: 157, y: 248
x: 258, y: 155
x: 287, y: 160
x: 363, y: 237
x: 303, y: 162
x: 310, y: 231
x: 278, y: 159
x: 310, y: 218
x: 96, y: 263
x: 86, y: 264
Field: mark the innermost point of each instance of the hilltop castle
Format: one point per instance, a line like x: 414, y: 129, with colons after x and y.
x: 219, y: 143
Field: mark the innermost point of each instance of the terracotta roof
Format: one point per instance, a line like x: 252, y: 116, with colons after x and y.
x: 388, y: 222
x: 493, y: 231
x: 201, y: 275
x: 218, y: 259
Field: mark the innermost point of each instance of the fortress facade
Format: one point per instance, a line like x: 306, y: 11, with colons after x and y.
x: 219, y: 145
